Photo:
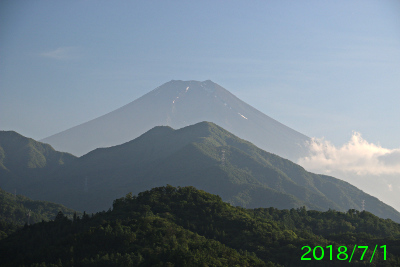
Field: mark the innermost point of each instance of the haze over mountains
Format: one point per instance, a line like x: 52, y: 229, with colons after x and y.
x: 182, y: 103
x: 37, y: 169
x: 178, y: 104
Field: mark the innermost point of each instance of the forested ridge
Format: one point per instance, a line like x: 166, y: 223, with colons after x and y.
x: 169, y: 226
x: 17, y: 210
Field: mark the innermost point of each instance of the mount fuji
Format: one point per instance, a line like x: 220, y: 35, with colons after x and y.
x: 178, y: 104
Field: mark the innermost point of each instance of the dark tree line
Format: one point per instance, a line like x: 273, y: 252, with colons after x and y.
x: 169, y: 226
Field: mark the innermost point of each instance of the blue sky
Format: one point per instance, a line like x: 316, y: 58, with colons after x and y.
x: 323, y: 68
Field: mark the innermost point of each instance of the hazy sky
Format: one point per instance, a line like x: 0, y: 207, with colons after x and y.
x: 323, y: 68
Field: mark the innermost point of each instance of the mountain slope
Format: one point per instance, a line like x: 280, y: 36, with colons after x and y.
x: 208, y: 157
x: 178, y: 104
x: 24, y: 161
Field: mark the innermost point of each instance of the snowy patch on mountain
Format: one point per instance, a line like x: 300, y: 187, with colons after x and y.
x: 242, y: 116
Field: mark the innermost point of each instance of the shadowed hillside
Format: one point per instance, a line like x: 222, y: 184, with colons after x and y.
x: 24, y: 161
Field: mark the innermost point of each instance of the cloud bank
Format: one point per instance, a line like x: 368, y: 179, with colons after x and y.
x: 356, y: 157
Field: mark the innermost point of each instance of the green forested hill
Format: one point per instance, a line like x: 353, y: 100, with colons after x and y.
x: 17, y: 210
x: 170, y: 226
x: 207, y: 157
x: 24, y: 161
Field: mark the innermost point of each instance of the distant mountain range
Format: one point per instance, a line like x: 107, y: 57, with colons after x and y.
x: 203, y: 155
x: 178, y: 104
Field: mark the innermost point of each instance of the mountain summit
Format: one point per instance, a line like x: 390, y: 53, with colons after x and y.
x: 178, y: 104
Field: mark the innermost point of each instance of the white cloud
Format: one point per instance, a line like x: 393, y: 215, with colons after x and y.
x: 62, y: 53
x: 357, y: 157
x: 368, y: 166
